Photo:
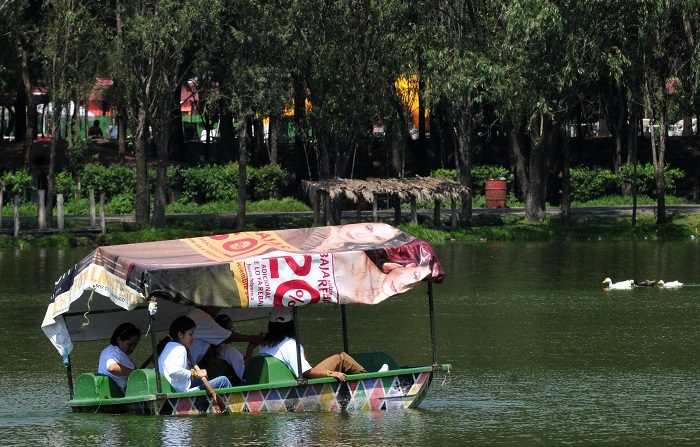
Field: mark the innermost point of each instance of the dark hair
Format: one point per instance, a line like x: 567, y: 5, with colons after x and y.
x: 224, y: 321
x: 96, y: 123
x: 124, y: 332
x: 276, y: 332
x: 180, y: 324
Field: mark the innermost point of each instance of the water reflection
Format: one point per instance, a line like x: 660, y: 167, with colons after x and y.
x: 540, y: 354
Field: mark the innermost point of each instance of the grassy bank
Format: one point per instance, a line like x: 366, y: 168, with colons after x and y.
x: 488, y: 228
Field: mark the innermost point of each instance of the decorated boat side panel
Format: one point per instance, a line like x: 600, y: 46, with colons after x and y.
x: 375, y: 394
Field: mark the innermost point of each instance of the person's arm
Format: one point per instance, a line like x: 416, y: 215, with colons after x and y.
x: 119, y: 369
x: 315, y: 373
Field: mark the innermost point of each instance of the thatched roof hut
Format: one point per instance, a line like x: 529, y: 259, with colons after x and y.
x: 404, y: 189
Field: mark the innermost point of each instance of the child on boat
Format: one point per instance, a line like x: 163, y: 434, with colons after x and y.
x: 114, y: 359
x: 173, y: 362
x: 279, y: 342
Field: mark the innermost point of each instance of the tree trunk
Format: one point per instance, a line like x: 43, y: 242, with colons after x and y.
x: 176, y: 138
x: 30, y: 130
x: 273, y: 136
x: 142, y: 199
x: 163, y: 151
x: 242, y: 162
x: 225, y: 149
x: 566, y: 178
x: 20, y: 115
x: 51, y: 176
x: 121, y: 132
x: 464, y: 151
x: 620, y: 124
x: 632, y: 142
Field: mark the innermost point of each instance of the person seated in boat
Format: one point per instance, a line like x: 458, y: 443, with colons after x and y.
x: 210, y: 333
x: 114, y: 359
x: 279, y: 342
x: 174, y: 364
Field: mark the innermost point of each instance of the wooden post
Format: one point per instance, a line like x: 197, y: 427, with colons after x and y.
x: 91, y: 198
x: 437, y: 223
x: 328, y: 209
x: 359, y: 209
x: 316, y: 202
x: 375, y: 213
x: 453, y: 220
x: 42, y: 209
x: 16, y: 233
x: 414, y: 211
x: 397, y: 210
x: 59, y: 211
x: 103, y: 227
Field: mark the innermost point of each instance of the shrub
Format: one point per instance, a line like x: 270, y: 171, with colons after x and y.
x: 64, y: 184
x: 122, y: 203
x: 16, y: 182
x: 77, y: 207
x: 112, y: 180
x: 591, y: 183
x: 482, y: 173
x: 646, y: 181
x: 267, y: 182
x: 209, y: 183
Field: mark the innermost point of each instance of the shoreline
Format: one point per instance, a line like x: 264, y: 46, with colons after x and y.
x: 503, y: 224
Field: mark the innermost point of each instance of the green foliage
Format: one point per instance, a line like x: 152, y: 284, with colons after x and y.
x: 122, y: 203
x: 591, y: 183
x: 16, y: 182
x: 284, y: 205
x: 77, y: 207
x: 64, y: 184
x: 267, y: 182
x: 448, y: 174
x: 646, y: 180
x: 209, y: 183
x: 112, y: 180
x: 481, y: 173
x: 76, y: 152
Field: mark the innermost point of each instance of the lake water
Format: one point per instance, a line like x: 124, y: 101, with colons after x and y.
x: 541, y: 354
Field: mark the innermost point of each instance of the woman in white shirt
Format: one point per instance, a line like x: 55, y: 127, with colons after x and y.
x: 114, y: 359
x: 173, y: 362
x: 279, y: 342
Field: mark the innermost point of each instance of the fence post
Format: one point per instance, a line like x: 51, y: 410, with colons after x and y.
x: 414, y: 211
x: 103, y: 228
x: 91, y: 198
x: 316, y: 202
x: 359, y: 209
x: 375, y: 213
x: 437, y: 214
x: 42, y: 209
x: 16, y: 233
x: 59, y: 211
x: 453, y: 220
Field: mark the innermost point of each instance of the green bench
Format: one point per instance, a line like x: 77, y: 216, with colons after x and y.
x: 93, y: 386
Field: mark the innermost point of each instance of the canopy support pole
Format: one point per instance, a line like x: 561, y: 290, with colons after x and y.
x: 300, y: 378
x: 159, y: 387
x: 344, y: 317
x: 69, y: 373
x: 431, y: 310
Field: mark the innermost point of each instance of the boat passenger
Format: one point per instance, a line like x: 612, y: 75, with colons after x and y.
x: 210, y: 333
x: 173, y: 362
x: 114, y: 359
x: 279, y: 342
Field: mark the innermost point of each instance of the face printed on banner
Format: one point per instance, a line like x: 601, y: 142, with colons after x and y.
x: 400, y: 278
x: 362, y: 233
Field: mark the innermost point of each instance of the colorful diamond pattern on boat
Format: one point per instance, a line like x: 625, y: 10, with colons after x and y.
x: 383, y: 393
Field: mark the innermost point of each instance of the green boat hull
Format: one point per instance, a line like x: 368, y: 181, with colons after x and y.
x: 397, y: 389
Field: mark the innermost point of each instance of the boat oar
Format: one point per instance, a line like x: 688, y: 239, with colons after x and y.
x: 207, y: 385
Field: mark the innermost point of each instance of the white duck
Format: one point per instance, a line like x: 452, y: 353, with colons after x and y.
x: 669, y: 285
x: 622, y: 285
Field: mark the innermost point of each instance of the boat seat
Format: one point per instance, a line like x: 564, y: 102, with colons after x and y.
x: 142, y: 382
x: 372, y: 361
x: 267, y: 369
x: 90, y: 386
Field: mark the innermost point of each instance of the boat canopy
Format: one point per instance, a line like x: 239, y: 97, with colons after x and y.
x: 246, y: 274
